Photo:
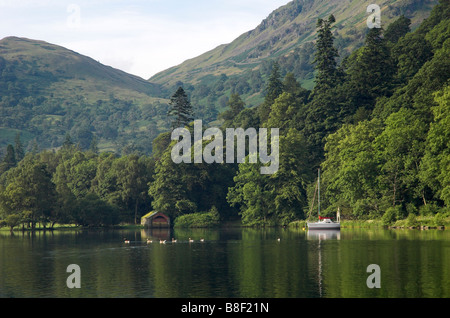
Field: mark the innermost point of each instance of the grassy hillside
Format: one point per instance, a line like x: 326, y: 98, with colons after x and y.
x: 48, y: 91
x: 288, y: 28
x: 286, y: 35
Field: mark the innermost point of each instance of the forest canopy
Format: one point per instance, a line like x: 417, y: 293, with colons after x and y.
x: 377, y: 124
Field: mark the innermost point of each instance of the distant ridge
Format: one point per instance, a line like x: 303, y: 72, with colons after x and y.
x: 48, y: 91
x: 286, y: 29
x: 66, y: 63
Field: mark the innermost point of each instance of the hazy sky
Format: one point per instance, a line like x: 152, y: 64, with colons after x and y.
x: 141, y: 37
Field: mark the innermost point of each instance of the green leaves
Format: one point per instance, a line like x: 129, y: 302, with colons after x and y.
x: 167, y: 188
x: 397, y: 29
x: 236, y: 105
x: 401, y: 147
x: 72, y: 186
x: 30, y: 193
x: 351, y: 167
x: 276, y: 199
x: 435, y: 166
x: 396, y: 161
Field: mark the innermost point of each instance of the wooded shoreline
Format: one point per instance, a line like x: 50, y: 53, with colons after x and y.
x: 423, y: 223
x: 376, y: 124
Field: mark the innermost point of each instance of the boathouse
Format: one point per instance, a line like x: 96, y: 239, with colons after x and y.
x: 155, y: 219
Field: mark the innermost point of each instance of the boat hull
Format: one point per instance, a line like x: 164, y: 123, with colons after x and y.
x: 324, y: 226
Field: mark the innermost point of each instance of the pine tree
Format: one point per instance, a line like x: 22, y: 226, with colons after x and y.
x: 372, y: 72
x: 324, y: 112
x: 18, y: 148
x: 167, y: 189
x: 181, y: 109
x: 10, y: 157
x: 325, y: 56
x: 236, y: 105
x: 397, y: 29
x: 275, y: 86
x: 274, y: 89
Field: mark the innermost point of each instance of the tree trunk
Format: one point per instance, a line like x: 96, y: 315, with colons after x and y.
x: 423, y: 197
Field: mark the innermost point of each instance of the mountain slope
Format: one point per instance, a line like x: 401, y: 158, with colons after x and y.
x: 30, y: 55
x: 286, y: 34
x: 48, y: 91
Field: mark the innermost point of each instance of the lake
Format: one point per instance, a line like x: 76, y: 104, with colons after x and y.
x: 231, y: 262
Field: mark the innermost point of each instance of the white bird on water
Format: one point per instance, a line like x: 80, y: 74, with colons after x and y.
x: 191, y: 240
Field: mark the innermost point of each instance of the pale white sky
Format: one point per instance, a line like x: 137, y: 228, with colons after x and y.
x: 141, y: 37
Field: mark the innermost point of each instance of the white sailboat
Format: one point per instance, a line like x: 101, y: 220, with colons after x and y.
x: 324, y: 223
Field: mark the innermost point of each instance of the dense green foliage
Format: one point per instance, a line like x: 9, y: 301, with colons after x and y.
x: 377, y: 123
x: 73, y: 186
x: 199, y: 219
x: 371, y: 123
x: 386, y: 163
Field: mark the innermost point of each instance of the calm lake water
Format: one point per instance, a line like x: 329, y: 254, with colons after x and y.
x: 232, y: 262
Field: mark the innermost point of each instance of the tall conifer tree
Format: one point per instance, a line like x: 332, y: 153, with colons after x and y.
x: 10, y: 157
x: 371, y: 73
x: 274, y: 89
x: 326, y: 54
x: 18, y: 148
x: 181, y: 109
x: 323, y: 114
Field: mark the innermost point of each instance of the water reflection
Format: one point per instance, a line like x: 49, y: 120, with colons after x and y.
x: 324, y: 235
x: 230, y: 262
x: 157, y: 234
x: 317, y: 251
